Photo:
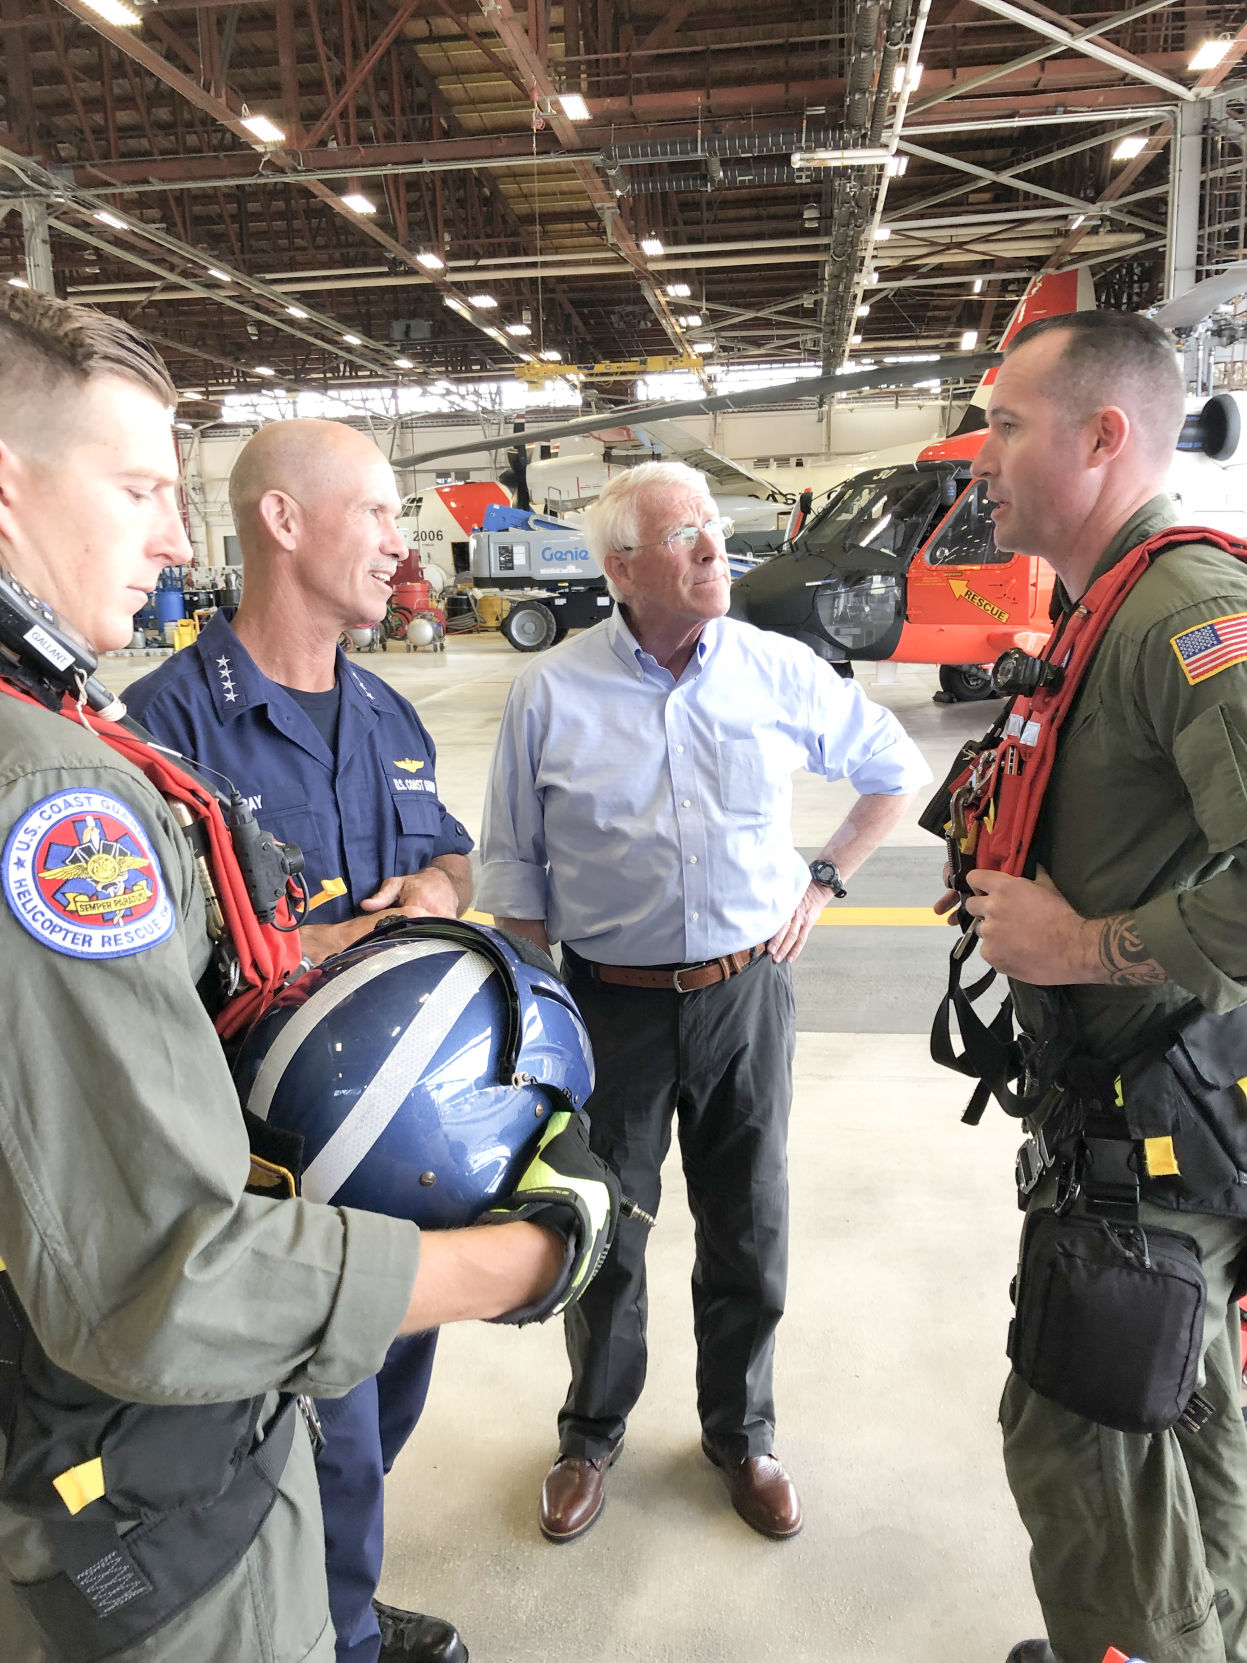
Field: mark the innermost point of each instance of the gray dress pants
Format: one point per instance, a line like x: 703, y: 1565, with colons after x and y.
x: 718, y: 1060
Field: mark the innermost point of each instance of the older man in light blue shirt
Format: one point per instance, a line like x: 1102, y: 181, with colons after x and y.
x: 639, y: 813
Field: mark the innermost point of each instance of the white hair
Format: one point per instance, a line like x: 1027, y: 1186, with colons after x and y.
x: 611, y: 523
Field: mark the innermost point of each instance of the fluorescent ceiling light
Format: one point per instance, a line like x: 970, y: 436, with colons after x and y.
x: 18, y: 283
x: 574, y: 106
x: 703, y: 346
x: 872, y: 276
x: 455, y: 304
x: 855, y: 340
x: 268, y: 132
x: 651, y: 246
x: 916, y: 77
x: 1129, y: 147
x: 430, y: 261
x: 518, y: 329
x: 842, y: 156
x: 690, y: 320
x: 898, y: 166
x: 863, y: 311
x: 977, y: 286
x: 497, y: 335
x: 352, y: 340
x: 482, y: 301
x: 403, y: 364
x: 552, y: 355
x: 296, y: 312
x: 882, y: 233
x: 1078, y: 219
x: 221, y: 276
x: 112, y: 11
x: 358, y: 203
x: 1210, y: 54
x: 105, y: 218
x: 969, y: 339
x: 677, y: 291
x: 265, y: 369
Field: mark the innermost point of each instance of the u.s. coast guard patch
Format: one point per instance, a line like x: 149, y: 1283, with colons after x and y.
x: 80, y: 874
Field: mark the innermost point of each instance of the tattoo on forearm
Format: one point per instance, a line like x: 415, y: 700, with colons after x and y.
x: 1123, y: 955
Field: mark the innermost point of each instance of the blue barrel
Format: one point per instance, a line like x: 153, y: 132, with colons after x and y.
x: 170, y: 606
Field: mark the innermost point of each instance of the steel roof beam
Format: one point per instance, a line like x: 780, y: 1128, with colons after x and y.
x: 1068, y: 40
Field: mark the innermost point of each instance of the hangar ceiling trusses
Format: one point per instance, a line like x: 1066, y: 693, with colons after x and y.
x: 453, y: 128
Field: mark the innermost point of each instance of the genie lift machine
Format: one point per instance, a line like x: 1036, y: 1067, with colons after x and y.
x: 543, y: 567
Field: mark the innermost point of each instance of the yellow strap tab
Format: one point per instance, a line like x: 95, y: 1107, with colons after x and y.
x: 268, y: 1175
x: 1118, y: 1095
x: 1242, y: 1085
x: 329, y: 890
x: 2, y: 1265
x: 1159, y: 1155
x: 81, y: 1485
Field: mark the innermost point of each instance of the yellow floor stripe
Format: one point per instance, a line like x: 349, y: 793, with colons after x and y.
x: 906, y: 917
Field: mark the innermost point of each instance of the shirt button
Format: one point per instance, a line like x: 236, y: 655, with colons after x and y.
x: 696, y: 916
x: 679, y: 750
x: 686, y: 803
x: 692, y: 860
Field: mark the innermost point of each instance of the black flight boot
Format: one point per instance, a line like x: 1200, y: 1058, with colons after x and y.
x: 1032, y: 1651
x: 411, y: 1637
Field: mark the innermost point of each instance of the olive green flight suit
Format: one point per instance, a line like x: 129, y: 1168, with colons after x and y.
x: 143, y: 1267
x: 1141, y: 1542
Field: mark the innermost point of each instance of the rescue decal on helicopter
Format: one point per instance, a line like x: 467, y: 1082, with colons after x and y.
x: 81, y: 876
x: 963, y: 592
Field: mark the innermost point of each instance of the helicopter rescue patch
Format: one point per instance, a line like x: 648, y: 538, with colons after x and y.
x: 81, y: 876
x: 1210, y: 647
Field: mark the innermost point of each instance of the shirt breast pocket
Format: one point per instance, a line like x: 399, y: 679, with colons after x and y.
x: 419, y: 821
x: 743, y: 785
x: 299, y: 825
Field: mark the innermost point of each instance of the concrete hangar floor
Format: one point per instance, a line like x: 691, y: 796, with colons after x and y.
x: 890, y: 1358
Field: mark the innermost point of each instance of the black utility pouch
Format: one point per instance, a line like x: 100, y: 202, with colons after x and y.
x: 1110, y: 1318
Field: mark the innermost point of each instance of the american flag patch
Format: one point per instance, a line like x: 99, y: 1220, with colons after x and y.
x: 1212, y: 646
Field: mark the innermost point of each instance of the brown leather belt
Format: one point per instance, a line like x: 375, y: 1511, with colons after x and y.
x: 685, y: 978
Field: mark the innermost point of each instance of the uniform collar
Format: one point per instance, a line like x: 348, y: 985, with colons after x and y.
x: 1155, y: 515
x: 628, y: 650
x: 237, y: 683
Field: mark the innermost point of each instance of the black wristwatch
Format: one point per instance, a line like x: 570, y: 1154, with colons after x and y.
x: 827, y: 873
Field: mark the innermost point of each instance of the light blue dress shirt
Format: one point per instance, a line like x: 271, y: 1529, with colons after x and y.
x: 646, y: 820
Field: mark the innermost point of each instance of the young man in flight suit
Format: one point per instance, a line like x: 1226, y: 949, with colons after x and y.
x: 332, y: 759
x: 157, y: 1298
x: 1132, y: 923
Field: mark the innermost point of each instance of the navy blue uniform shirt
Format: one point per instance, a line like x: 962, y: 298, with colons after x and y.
x: 370, y: 813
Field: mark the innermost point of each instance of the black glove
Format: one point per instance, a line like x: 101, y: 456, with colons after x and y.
x: 567, y: 1188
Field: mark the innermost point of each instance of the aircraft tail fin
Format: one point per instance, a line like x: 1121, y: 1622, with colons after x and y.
x: 1046, y: 296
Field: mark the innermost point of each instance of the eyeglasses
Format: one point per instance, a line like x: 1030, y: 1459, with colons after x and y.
x: 686, y: 536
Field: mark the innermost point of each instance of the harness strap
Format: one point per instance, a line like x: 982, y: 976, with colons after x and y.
x: 994, y: 803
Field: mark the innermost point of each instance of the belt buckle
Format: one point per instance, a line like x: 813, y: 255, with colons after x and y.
x: 676, y: 974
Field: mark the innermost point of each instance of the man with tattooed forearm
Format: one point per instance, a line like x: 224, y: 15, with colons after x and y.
x: 1125, y: 943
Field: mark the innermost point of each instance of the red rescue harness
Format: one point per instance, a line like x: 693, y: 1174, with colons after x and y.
x: 265, y: 956
x: 994, y: 802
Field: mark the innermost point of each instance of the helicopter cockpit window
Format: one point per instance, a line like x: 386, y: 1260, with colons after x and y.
x: 968, y: 538
x: 888, y: 511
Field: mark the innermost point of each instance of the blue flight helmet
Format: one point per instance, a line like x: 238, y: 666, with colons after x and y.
x: 418, y: 1067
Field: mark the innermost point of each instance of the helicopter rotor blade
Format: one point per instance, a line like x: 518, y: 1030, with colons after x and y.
x: 1187, y: 310
x: 954, y: 367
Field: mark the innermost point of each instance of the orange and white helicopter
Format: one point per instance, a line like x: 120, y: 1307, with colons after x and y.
x: 901, y: 563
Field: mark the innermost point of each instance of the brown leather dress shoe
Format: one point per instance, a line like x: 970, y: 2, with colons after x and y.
x: 762, y: 1493
x: 573, y: 1495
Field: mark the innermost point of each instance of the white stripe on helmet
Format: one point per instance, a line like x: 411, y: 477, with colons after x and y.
x: 391, y: 1084
x: 325, y: 999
